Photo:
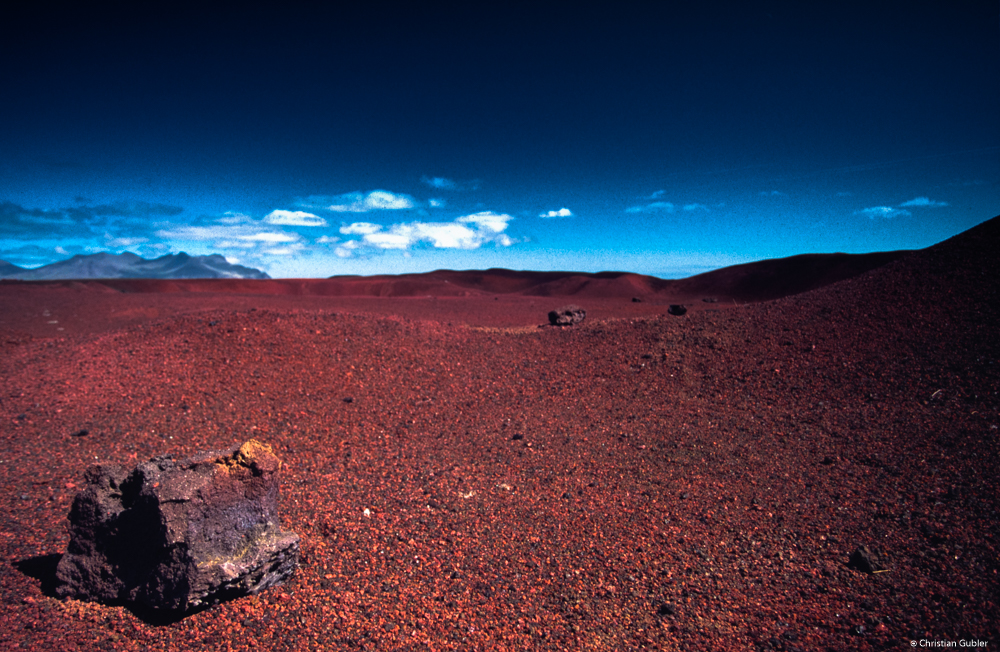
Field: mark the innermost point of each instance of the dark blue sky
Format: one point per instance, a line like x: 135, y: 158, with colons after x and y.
x: 315, y: 141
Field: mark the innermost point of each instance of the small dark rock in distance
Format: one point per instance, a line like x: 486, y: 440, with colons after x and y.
x: 666, y: 609
x: 677, y: 309
x: 567, y: 315
x: 177, y: 535
x: 862, y: 560
x: 636, y: 300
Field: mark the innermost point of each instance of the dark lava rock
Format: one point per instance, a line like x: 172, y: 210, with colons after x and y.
x: 179, y: 534
x: 567, y: 315
x: 677, y: 309
x: 636, y: 300
x: 863, y: 560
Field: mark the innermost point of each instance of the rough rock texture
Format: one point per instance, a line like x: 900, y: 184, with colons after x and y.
x: 863, y: 560
x: 567, y: 315
x: 677, y: 309
x: 179, y: 534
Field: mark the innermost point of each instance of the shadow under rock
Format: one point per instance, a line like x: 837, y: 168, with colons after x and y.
x: 43, y: 569
x: 160, y: 617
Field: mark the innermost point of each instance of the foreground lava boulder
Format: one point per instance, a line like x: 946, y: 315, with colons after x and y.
x: 179, y: 534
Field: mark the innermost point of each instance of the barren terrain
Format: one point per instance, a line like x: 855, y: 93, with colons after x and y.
x: 465, y: 478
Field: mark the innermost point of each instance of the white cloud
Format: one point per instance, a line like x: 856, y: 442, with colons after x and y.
x: 197, y: 232
x: 346, y: 250
x: 466, y: 232
x: 113, y: 242
x: 923, y: 201
x: 487, y: 220
x: 400, y: 236
x: 239, y: 235
x: 283, y: 251
x: 376, y: 200
x: 658, y: 194
x: 441, y: 235
x: 695, y: 207
x: 234, y: 244
x: 294, y: 218
x: 436, y: 203
x: 562, y: 212
x: 230, y: 217
x: 452, y: 235
x: 270, y: 237
x: 654, y: 207
x: 360, y: 228
x: 439, y: 182
x: 883, y: 211
x: 327, y: 239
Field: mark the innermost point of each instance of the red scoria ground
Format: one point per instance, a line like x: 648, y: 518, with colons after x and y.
x: 652, y: 481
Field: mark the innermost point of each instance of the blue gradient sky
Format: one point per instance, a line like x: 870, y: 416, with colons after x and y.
x: 388, y: 139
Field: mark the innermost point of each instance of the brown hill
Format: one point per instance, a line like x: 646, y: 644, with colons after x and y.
x: 499, y: 297
x: 758, y: 281
x: 782, y: 277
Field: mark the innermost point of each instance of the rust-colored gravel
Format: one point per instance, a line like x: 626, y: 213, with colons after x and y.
x: 648, y: 481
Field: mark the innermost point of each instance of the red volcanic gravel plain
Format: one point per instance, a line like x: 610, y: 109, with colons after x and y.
x: 464, y: 478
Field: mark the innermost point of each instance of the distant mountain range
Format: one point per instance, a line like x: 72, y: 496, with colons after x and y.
x: 129, y: 265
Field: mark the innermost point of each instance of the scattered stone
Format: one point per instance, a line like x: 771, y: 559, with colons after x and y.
x: 636, y: 300
x: 677, y: 309
x: 177, y: 535
x: 863, y: 560
x: 666, y: 609
x: 710, y: 300
x: 83, y: 432
x: 567, y: 315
